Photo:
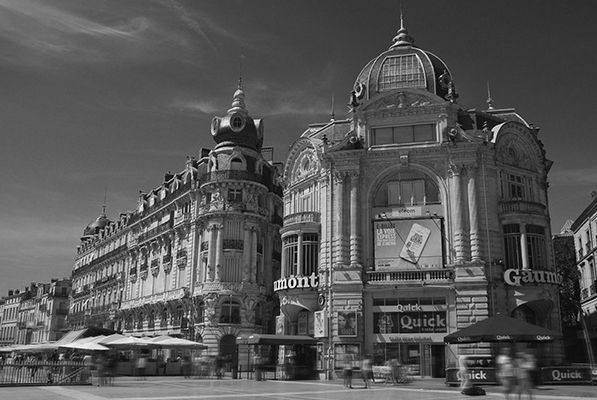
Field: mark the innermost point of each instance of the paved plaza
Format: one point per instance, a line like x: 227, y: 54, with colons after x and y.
x: 177, y: 388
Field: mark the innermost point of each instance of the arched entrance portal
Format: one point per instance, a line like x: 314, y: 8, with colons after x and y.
x: 229, y: 352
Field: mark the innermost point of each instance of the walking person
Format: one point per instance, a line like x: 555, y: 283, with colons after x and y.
x: 525, y: 365
x: 367, y: 370
x: 465, y: 381
x: 505, y: 368
x: 347, y: 369
x: 141, y: 365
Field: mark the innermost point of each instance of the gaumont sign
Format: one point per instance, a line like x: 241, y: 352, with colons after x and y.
x: 293, y: 282
x: 519, y: 277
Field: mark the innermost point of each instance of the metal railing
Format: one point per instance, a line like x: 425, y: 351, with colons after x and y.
x: 33, y: 372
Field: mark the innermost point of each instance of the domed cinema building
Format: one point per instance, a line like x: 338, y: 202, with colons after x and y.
x: 413, y: 218
x: 195, y: 258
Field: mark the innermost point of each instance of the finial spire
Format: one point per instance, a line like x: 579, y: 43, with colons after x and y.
x: 402, y: 38
x: 489, y: 100
x: 104, y: 205
x: 332, y: 114
x: 238, y: 100
x: 240, y: 72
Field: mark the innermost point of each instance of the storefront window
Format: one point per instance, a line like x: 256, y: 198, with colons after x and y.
x: 343, y: 352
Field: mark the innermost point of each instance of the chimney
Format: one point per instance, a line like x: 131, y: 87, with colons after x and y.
x: 10, y: 292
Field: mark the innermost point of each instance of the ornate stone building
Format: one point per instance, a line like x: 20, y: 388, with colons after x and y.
x: 413, y: 218
x: 196, y: 258
x: 43, y: 311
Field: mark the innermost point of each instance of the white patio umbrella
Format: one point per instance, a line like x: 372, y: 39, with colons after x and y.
x: 169, y: 341
x: 130, y: 342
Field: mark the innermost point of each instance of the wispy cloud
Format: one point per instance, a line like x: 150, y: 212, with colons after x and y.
x: 104, y: 31
x: 194, y: 106
x: 574, y: 176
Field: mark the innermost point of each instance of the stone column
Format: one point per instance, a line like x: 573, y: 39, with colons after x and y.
x: 473, y: 213
x: 457, y: 214
x: 219, y: 250
x: 211, y: 252
x: 247, y: 253
x: 339, y: 179
x: 253, y: 263
x: 524, y: 253
x: 299, y: 255
x: 355, y: 237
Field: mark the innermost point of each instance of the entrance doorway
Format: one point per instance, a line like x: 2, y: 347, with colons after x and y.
x: 229, y: 352
x: 438, y: 361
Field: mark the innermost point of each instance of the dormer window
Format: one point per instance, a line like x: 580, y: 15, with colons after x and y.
x: 237, y: 122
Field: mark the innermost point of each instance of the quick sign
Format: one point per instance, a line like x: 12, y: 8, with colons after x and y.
x: 566, y: 375
x: 410, y: 322
x: 475, y: 375
x: 292, y: 282
x: 520, y: 277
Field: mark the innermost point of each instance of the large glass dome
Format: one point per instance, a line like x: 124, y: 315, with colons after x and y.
x: 403, y: 66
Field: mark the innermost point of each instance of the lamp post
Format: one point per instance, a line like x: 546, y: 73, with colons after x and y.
x: 244, y: 339
x: 330, y: 327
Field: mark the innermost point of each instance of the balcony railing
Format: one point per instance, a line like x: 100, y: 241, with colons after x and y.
x: 297, y: 218
x: 418, y: 276
x: 521, y: 206
x: 158, y: 230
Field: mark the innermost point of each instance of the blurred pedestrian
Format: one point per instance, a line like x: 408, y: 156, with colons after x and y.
x: 505, y: 367
x: 465, y: 381
x: 186, y: 367
x: 525, y: 365
x: 367, y: 370
x: 347, y: 371
x: 141, y: 365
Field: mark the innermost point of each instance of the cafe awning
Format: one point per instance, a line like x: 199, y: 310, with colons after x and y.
x: 501, y: 328
x: 280, y: 339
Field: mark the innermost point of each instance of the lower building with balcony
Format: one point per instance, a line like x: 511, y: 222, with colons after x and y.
x: 584, y: 230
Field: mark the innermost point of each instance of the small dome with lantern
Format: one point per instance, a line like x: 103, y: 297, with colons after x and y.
x: 237, y: 128
x: 96, y: 226
x: 404, y: 66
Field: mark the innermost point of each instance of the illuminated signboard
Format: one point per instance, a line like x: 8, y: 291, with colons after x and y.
x: 408, y: 244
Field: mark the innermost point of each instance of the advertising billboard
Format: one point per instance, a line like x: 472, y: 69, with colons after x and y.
x: 407, y: 244
x: 347, y: 323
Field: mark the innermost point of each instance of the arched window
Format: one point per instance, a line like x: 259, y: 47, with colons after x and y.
x: 405, y: 189
x: 200, y: 313
x: 236, y: 164
x: 258, y: 314
x: 230, y: 312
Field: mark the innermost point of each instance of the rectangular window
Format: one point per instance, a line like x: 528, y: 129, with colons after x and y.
x: 512, y: 246
x: 290, y: 255
x: 516, y: 187
x: 403, y: 134
x: 537, y: 252
x: 310, y: 252
x: 235, y: 195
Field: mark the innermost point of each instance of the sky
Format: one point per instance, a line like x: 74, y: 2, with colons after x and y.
x: 101, y: 98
